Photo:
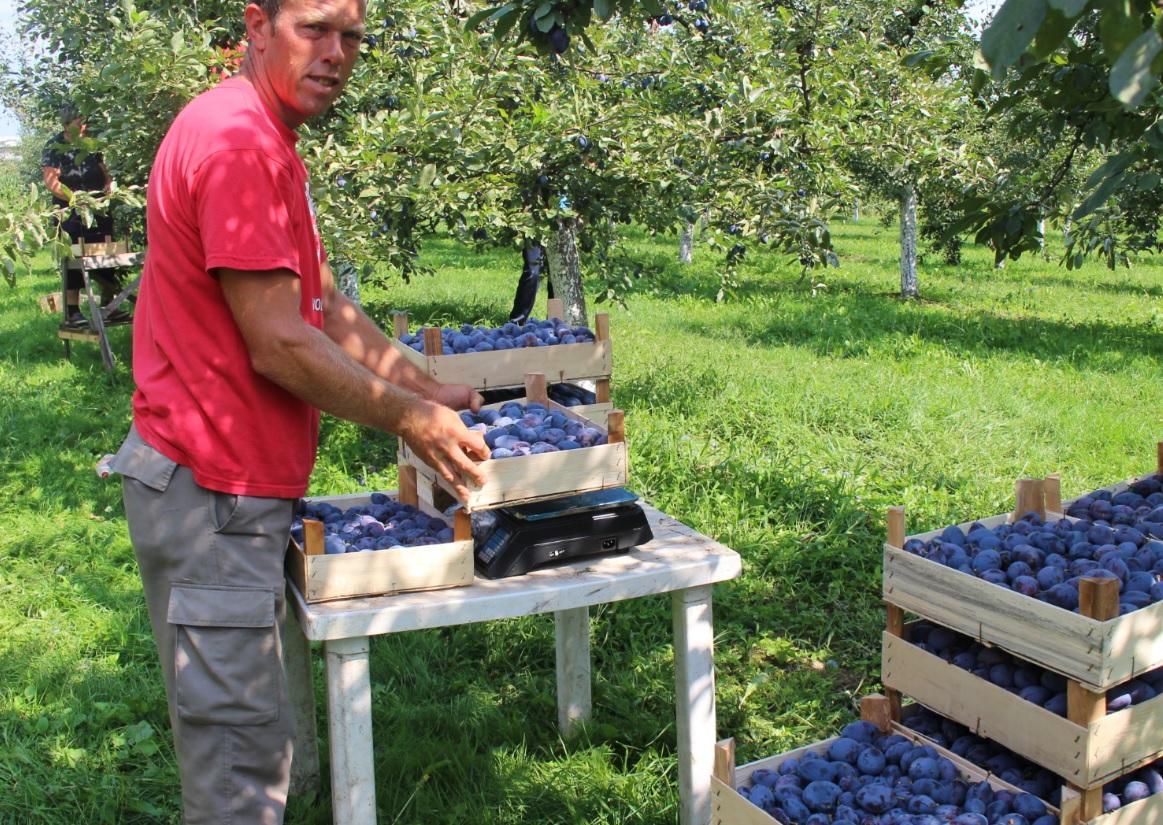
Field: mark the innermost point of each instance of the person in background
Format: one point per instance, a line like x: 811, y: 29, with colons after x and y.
x: 68, y: 168
x: 240, y: 339
x: 533, y: 262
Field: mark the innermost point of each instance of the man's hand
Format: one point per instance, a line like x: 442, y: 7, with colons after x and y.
x: 458, y: 397
x: 439, y: 438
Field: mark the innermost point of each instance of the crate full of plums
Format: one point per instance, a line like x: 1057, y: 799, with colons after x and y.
x: 375, y: 544
x: 872, y: 772
x: 1032, y: 582
x: 1133, y: 798
x: 492, y: 357
x: 538, y: 450
x: 1024, y: 706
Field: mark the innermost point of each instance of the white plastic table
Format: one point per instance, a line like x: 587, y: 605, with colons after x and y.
x: 678, y: 561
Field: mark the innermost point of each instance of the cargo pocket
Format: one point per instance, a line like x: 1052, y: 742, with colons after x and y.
x: 226, y: 663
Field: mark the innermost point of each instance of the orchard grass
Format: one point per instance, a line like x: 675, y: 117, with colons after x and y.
x: 782, y: 422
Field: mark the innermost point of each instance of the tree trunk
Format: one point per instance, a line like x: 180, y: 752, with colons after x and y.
x: 346, y: 279
x: 856, y: 210
x: 686, y: 241
x: 565, y: 271
x: 909, y: 242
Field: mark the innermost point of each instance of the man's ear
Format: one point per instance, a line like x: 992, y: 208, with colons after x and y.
x: 258, y: 26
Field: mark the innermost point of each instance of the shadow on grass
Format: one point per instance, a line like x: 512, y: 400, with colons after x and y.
x: 852, y: 325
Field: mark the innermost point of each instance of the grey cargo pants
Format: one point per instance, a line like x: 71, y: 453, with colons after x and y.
x: 212, y: 569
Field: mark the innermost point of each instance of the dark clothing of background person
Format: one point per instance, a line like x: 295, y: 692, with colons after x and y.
x: 534, y: 261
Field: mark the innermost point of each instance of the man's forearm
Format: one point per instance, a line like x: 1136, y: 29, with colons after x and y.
x: 316, y: 369
x: 360, y: 338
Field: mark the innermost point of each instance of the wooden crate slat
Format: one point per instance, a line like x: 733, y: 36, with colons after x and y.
x: 507, y: 368
x: 1134, y: 640
x: 1086, y: 756
x: 1057, y: 639
x: 729, y: 808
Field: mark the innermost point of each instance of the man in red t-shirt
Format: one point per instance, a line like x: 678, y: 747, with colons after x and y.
x: 240, y: 339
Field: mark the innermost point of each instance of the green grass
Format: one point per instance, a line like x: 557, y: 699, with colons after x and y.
x: 782, y: 423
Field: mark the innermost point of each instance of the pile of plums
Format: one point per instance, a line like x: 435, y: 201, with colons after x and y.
x: 567, y: 395
x: 871, y: 778
x: 532, y: 333
x: 1046, y: 560
x: 530, y: 429
x: 1141, y: 503
x: 382, y: 524
x: 1032, y: 683
x: 1024, y: 774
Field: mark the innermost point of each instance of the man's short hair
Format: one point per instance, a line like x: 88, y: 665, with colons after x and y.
x: 271, y: 7
x: 67, y: 113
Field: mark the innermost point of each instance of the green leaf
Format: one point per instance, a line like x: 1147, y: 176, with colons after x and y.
x: 1148, y: 182
x: 544, y: 10
x: 1114, y: 165
x: 475, y: 20
x: 1131, y: 78
x: 1114, y: 179
x: 1118, y: 26
x: 1070, y: 8
x: 505, y: 20
x: 427, y: 175
x: 1051, y: 33
x: 604, y: 9
x: 1010, y: 32
x: 546, y: 23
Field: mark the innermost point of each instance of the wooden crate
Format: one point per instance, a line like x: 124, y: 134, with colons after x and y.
x: 321, y: 577
x: 100, y: 248
x: 525, y: 479
x: 1147, y: 811
x: 729, y: 808
x: 53, y: 303
x: 508, y: 368
x: 1086, y: 755
x: 1099, y: 654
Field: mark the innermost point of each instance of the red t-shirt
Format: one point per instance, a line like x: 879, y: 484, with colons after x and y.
x: 227, y: 189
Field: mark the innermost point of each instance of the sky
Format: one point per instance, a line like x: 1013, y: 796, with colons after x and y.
x: 9, y: 125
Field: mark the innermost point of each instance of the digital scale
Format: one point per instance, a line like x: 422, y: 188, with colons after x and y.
x: 534, y: 535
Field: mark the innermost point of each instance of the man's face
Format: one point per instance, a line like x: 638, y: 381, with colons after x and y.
x: 308, y: 51
x: 74, y: 129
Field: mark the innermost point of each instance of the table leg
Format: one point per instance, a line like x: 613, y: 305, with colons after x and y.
x: 574, y: 701
x: 349, y: 722
x: 694, y: 680
x: 301, y: 690
x: 97, y: 322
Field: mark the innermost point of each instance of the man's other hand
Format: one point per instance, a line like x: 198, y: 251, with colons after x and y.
x: 458, y: 397
x: 439, y: 438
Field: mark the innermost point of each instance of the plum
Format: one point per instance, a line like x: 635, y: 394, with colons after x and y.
x: 875, y: 798
x: 1135, y: 790
x: 861, y: 731
x: 844, y: 749
x: 821, y: 795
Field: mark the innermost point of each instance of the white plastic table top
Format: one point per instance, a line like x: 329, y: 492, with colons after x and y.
x: 677, y: 558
